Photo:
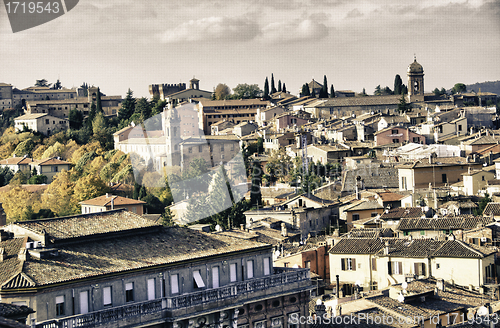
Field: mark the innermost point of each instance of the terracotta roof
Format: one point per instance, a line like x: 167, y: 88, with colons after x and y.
x: 28, y: 187
x: 114, y: 254
x: 361, y: 101
x: 105, y: 200
x: 16, y: 161
x: 402, y: 212
x: 366, y: 205
x: 369, y: 233
x: 453, y: 223
x: 390, y: 196
x: 50, y: 161
x: 492, y: 208
x: 358, y: 246
x: 84, y: 225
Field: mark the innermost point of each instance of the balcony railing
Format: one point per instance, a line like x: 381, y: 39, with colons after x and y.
x: 280, y: 278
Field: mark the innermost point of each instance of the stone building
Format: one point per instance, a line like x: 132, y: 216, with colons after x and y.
x: 43, y: 123
x: 117, y: 269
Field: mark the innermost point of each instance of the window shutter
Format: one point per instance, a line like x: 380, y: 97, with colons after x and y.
x: 389, y: 267
x: 374, y: 264
x: 400, y: 265
x: 415, y: 269
x: 353, y: 264
x: 342, y: 261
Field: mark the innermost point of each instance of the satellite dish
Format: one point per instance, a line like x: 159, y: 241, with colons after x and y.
x: 319, y: 302
x: 401, y: 298
x: 483, y: 311
x: 404, y: 285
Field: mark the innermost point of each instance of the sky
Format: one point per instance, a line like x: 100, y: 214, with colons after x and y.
x: 122, y: 44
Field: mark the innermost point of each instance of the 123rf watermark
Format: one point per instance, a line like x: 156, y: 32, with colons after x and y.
x: 384, y: 319
x: 27, y: 14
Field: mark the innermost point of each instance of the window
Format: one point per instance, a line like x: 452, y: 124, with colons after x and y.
x: 232, y: 272
x: 55, y: 169
x: 129, y: 292
x: 84, y: 302
x: 174, y: 284
x: 355, y: 217
x: 198, y: 281
x: 443, y: 178
x: 395, y: 267
x: 459, y: 128
x: 394, y: 131
x: 419, y: 269
x: 215, y: 277
x: 106, y: 296
x: 374, y: 214
x: 422, y: 232
x: 249, y: 269
x: 151, y: 289
x: 395, y: 140
x: 406, y: 233
x: 438, y: 266
x: 404, y: 184
x: 482, y: 177
x: 267, y: 267
x: 260, y: 324
x: 348, y: 264
x: 59, y: 305
x: 307, y: 264
x: 190, y: 150
x: 200, y: 148
x: 374, y: 264
x: 416, y: 139
x: 47, y: 121
x: 222, y: 147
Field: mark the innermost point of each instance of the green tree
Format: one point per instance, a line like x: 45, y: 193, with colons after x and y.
x: 398, y: 85
x: 443, y: 92
x: 57, y: 85
x: 42, y: 83
x: 128, y: 106
x: 284, y: 88
x: 167, y: 218
x: 324, y: 89
x: 305, y: 90
x: 246, y: 91
x: 143, y: 109
x: 265, y: 96
x: 436, y: 92
x: 363, y: 93
x: 482, y: 204
x: 273, y: 88
x: 387, y: 91
x: 222, y: 91
x: 279, y: 86
x: 256, y: 179
x: 75, y: 119
x: 332, y: 91
x: 459, y: 88
x: 85, y: 88
x: 403, y: 105
x: 378, y: 91
x: 37, y: 179
x: 98, y: 104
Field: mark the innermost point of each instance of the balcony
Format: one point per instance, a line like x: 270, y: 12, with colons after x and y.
x: 284, y: 280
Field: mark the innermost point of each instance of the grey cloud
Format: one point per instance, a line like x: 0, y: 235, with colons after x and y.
x: 212, y: 29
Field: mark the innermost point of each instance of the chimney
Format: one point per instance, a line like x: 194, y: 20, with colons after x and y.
x: 107, y: 195
x: 386, y: 248
x: 440, y: 284
x: 242, y: 226
x: 284, y: 230
x: 3, y: 256
x: 22, y: 254
x: 112, y: 202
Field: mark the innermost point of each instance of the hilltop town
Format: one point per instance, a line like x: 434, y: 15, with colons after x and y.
x: 250, y: 208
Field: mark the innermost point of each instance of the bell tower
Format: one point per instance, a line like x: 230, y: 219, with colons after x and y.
x: 172, y: 132
x: 415, y: 81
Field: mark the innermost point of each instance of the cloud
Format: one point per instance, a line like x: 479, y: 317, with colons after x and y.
x: 355, y: 13
x: 294, y: 31
x: 212, y: 29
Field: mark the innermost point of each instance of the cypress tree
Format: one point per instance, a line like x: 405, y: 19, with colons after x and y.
x: 128, y: 106
x: 332, y: 92
x: 305, y: 90
x: 284, y: 88
x: 266, y: 89
x: 324, y: 89
x: 98, y: 101
x: 398, y: 84
x: 273, y: 89
x: 279, y: 85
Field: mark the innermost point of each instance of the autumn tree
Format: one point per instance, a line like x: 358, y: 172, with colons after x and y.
x: 58, y: 197
x: 222, y: 91
x: 89, y: 187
